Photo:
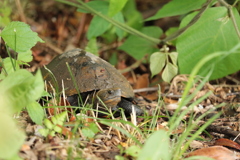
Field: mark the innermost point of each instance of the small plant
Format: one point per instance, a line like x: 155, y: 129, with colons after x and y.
x: 53, y: 125
x: 19, y: 88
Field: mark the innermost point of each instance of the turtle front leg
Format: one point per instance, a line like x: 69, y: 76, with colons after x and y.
x: 128, y: 107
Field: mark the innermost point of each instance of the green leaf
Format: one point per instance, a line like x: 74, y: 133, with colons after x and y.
x: 156, y: 147
x: 25, y: 56
x: 92, y: 46
x: 174, y: 56
x: 119, y: 17
x: 57, y: 129
x: 169, y: 72
x: 97, y: 27
x: 61, y: 117
x: 100, y: 6
x: 20, y: 88
x: 116, y: 6
x: 133, y: 151
x: 94, y: 127
x: 213, y: 32
x: 177, y: 7
x: 157, y: 62
x: 5, y: 12
x: 88, y: 133
x: 44, y: 132
x: 11, y: 137
x: 19, y: 36
x: 35, y: 112
x: 48, y: 124
x: 138, y: 47
x: 113, y: 59
x: 8, y: 65
x: 132, y: 15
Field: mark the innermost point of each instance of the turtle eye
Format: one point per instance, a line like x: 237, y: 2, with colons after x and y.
x: 110, y: 91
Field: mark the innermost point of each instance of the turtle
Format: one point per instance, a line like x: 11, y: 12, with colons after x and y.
x: 93, y: 76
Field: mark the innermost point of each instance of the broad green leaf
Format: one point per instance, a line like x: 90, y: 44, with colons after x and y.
x: 100, y: 6
x: 174, y: 56
x: 37, y: 87
x: 169, y: 72
x: 19, y: 36
x: 119, y: 17
x: 213, y: 32
x: 25, y: 56
x: 156, y: 147
x: 138, y: 47
x: 35, y: 111
x: 177, y: 7
x: 20, y: 88
x: 92, y: 46
x: 116, y: 6
x: 133, y: 16
x: 9, y: 66
x: 11, y: 137
x: 97, y: 27
x: 157, y: 62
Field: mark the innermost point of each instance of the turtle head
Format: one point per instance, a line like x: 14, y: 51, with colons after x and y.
x: 110, y: 97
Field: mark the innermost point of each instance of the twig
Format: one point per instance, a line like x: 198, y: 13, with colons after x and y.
x: 233, y: 79
x: 231, y: 15
x: 80, y: 29
x: 148, y: 89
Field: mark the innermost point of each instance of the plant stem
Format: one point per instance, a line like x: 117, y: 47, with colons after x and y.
x: 231, y: 15
x: 11, y: 59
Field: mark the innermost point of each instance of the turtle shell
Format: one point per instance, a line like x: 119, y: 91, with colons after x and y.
x: 91, y: 73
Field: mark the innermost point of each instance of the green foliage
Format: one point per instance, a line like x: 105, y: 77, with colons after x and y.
x: 213, y: 32
x: 156, y: 147
x: 132, y: 15
x: 5, y: 12
x: 138, y: 47
x: 206, y: 32
x: 19, y: 88
x: 98, y: 25
x: 116, y: 6
x: 90, y: 130
x: 36, y: 112
x: 159, y: 60
x: 177, y: 7
x: 51, y: 126
x: 132, y: 151
x: 19, y: 36
x: 10, y: 136
x: 92, y: 46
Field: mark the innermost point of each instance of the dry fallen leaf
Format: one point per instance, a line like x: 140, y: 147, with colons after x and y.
x: 215, y: 152
x: 142, y: 82
x: 228, y: 143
